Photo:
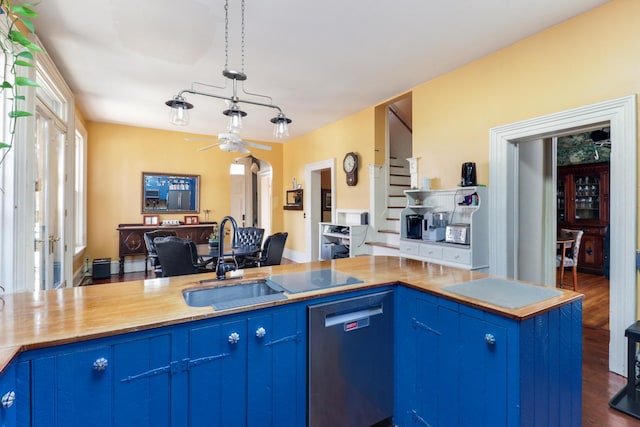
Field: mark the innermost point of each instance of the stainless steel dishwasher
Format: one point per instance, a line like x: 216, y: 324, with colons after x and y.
x: 351, y: 362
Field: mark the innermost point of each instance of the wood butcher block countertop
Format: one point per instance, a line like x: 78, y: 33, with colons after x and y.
x: 41, y: 319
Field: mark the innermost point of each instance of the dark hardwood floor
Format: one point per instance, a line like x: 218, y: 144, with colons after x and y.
x: 598, y: 384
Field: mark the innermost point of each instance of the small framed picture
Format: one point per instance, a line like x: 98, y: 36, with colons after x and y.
x: 151, y: 220
x: 191, y: 219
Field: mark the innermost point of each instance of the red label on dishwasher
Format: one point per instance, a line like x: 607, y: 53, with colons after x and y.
x: 356, y: 324
x: 350, y: 326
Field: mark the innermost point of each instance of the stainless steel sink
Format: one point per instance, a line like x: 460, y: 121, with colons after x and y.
x: 239, y: 294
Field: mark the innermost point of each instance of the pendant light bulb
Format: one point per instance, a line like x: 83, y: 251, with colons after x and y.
x: 235, y: 115
x: 179, y: 111
x: 281, y: 126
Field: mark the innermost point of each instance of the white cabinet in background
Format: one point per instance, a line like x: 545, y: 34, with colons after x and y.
x: 342, y: 241
x: 466, y: 205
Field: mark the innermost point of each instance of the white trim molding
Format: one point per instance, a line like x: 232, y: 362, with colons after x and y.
x: 621, y: 114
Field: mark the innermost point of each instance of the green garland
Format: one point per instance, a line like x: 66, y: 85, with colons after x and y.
x: 18, y: 52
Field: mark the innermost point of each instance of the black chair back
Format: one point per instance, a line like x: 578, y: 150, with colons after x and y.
x: 151, y: 247
x: 249, y: 238
x: 177, y: 256
x: 273, y: 248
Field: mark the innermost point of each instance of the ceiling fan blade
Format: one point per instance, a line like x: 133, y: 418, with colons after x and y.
x: 208, y: 146
x: 199, y: 139
x: 242, y: 150
x: 256, y: 145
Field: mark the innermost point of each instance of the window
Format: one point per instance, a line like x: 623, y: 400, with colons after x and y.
x: 80, y: 186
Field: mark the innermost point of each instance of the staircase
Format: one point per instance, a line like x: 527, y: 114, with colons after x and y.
x: 388, y: 229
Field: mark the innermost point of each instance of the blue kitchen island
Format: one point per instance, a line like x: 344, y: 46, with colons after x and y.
x: 133, y: 353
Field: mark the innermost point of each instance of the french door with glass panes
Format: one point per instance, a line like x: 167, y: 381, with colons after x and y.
x: 49, y: 203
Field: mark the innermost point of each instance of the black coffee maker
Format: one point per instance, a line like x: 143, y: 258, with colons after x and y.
x: 468, y: 177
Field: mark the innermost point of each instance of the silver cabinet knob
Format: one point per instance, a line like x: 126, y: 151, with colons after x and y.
x: 8, y: 399
x: 261, y: 332
x: 100, y: 364
x: 234, y: 337
x: 490, y: 339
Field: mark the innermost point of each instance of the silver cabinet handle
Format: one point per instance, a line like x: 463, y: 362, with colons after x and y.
x: 490, y: 339
x: 8, y: 399
x: 100, y: 364
x: 261, y: 332
x: 234, y: 337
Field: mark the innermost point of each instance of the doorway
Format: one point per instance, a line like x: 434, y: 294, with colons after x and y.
x: 251, y: 192
x: 504, y: 198
x: 49, y: 202
x: 313, y: 206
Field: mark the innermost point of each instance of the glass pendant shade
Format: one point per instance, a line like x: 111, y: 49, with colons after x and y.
x: 235, y: 123
x: 235, y: 115
x: 280, y: 126
x: 179, y: 116
x: 179, y: 110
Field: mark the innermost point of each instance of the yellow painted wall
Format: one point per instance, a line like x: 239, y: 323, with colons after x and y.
x: 118, y: 155
x: 354, y: 133
x: 590, y: 58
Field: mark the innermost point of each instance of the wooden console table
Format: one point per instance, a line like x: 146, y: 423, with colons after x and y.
x: 131, y: 239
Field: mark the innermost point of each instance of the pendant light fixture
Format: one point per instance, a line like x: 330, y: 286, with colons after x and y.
x: 180, y: 107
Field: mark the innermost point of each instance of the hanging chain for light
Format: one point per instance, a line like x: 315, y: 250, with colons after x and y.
x: 226, y: 36
x: 242, y: 40
x: 180, y: 106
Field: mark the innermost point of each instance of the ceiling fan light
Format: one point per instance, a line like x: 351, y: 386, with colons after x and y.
x: 281, y: 126
x: 179, y: 110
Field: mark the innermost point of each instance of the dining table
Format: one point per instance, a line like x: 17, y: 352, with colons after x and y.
x: 209, y: 254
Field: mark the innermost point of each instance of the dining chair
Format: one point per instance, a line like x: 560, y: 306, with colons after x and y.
x: 151, y: 248
x: 248, y: 241
x: 271, y: 253
x: 571, y: 256
x: 178, y: 256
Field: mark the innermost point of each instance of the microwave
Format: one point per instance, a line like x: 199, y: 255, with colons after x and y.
x: 457, y: 233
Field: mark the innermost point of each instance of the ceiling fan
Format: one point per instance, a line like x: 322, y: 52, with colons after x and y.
x: 228, y: 141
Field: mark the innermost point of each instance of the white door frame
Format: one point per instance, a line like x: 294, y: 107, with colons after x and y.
x: 312, y: 209
x: 264, y: 199
x: 621, y: 114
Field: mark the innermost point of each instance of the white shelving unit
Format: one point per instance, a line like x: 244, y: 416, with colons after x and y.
x: 345, y: 238
x: 475, y: 255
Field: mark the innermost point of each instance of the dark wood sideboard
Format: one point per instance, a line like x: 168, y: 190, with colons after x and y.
x: 131, y: 239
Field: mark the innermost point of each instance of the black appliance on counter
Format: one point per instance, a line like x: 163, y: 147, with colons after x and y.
x: 414, y: 226
x: 468, y: 175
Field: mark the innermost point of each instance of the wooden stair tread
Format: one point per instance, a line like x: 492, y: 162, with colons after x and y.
x: 389, y: 231
x: 392, y: 219
x: 404, y: 175
x: 382, y: 245
x: 395, y: 207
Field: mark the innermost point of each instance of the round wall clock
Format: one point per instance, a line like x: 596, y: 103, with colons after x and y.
x: 350, y: 165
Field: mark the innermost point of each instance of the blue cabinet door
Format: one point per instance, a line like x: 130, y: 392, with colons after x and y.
x: 482, y: 381
x: 217, y: 374
x: 448, y: 374
x: 8, y: 396
x: 142, y: 370
x: 276, y: 364
x: 69, y: 390
x: 123, y: 381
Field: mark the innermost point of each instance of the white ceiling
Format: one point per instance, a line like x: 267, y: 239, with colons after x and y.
x: 320, y: 61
